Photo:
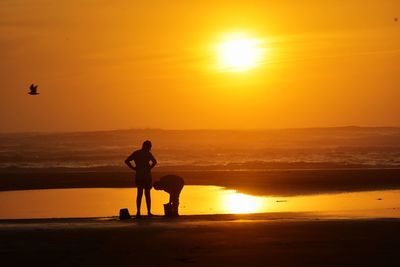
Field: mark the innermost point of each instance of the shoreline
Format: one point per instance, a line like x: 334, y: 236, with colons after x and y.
x: 256, y: 182
x: 197, y: 218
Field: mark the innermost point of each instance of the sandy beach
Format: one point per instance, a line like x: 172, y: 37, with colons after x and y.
x: 273, y: 239
x: 285, y: 239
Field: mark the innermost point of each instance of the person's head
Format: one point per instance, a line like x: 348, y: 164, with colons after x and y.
x: 146, y: 145
x: 158, y: 185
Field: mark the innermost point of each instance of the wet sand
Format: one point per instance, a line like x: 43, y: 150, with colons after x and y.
x: 258, y: 182
x: 211, y: 240
x: 279, y: 239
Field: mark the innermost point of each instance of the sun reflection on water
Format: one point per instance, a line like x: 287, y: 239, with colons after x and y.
x: 241, y: 203
x: 97, y: 202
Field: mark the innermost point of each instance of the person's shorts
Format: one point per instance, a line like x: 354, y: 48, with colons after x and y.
x: 143, y: 180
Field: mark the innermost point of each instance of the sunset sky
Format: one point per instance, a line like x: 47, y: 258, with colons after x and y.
x: 103, y: 65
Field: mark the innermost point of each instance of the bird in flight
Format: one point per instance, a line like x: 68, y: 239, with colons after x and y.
x: 33, y: 89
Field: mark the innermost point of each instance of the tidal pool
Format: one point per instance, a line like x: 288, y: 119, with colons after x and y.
x: 99, y: 202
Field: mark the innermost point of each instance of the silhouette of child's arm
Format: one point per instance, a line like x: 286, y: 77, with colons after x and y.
x: 153, y: 161
x: 128, y: 162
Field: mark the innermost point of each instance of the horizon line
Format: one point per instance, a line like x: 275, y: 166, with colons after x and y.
x: 196, y: 129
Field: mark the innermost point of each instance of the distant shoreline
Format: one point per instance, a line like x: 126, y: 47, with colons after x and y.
x: 259, y: 182
x: 90, y: 131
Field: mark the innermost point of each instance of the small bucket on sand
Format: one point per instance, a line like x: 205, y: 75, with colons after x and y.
x: 168, y: 209
x: 124, y: 214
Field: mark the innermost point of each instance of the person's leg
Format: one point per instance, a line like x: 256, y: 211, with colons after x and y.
x: 175, y: 204
x: 139, y: 200
x: 176, y: 196
x: 148, y: 201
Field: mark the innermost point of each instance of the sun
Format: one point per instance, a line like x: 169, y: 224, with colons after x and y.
x: 239, y: 53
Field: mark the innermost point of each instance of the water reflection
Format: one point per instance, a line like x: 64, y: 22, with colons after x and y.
x: 97, y: 202
x: 241, y: 203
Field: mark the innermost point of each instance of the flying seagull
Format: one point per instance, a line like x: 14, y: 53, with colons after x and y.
x: 33, y: 89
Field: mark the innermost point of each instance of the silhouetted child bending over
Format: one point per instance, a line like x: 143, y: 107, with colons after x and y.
x: 173, y: 185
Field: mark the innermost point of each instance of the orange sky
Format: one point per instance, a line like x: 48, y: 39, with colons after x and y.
x: 109, y: 65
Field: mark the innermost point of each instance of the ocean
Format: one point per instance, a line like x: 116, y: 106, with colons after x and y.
x: 343, y: 147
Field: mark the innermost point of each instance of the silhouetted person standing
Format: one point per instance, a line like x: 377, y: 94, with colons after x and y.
x: 173, y: 185
x: 142, y: 159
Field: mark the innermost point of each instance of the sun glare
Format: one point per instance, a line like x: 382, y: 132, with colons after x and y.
x: 241, y: 203
x: 239, y: 53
